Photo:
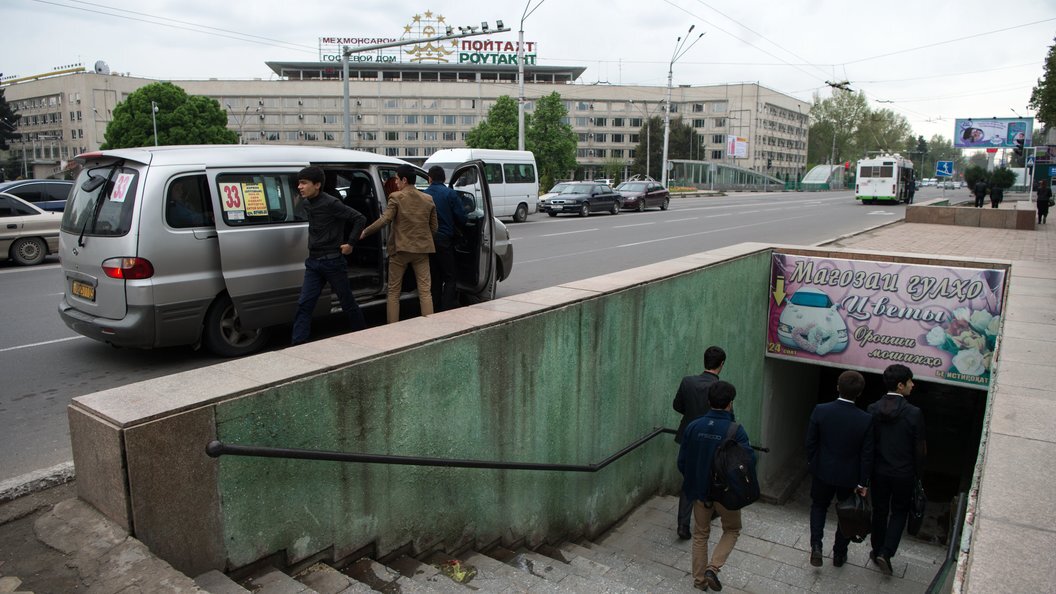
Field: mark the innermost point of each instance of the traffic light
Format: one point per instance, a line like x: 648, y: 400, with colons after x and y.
x: 846, y: 165
x: 769, y: 163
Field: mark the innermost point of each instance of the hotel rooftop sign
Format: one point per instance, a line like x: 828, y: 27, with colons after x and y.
x: 423, y: 26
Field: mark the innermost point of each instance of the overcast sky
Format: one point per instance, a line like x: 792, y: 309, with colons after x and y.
x: 931, y: 61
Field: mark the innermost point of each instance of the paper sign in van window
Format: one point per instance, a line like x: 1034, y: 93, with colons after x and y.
x: 121, y: 184
x: 231, y: 199
x: 253, y: 196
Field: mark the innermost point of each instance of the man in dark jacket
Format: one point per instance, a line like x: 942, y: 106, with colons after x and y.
x: 897, y: 463
x: 327, y: 245
x: 980, y: 192
x: 840, y: 458
x: 702, y: 437
x: 997, y: 194
x: 692, y: 401
x: 449, y: 214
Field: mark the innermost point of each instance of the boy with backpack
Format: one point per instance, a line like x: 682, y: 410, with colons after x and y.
x: 708, y: 481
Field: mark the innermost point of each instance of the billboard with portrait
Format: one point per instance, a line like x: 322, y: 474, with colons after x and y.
x: 992, y: 132
x: 736, y: 147
x: 942, y: 323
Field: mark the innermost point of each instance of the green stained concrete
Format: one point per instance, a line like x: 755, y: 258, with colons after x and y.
x: 572, y: 384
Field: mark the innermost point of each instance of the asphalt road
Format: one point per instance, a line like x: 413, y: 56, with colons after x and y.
x: 45, y: 365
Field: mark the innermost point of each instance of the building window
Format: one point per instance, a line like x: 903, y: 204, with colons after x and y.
x: 391, y: 151
x: 392, y: 120
x: 392, y: 136
x: 720, y: 122
x: 617, y: 122
x: 718, y: 139
x: 718, y: 107
x: 716, y: 154
x: 634, y: 138
x: 450, y: 120
x: 583, y: 136
x: 328, y: 136
x: 450, y: 136
x: 469, y: 120
x: 700, y: 123
x: 391, y: 103
x: 410, y: 136
x: 429, y: 120
x: 616, y: 153
x: 329, y: 119
x: 311, y: 136
x: 411, y: 151
x: 582, y: 106
x: 698, y: 108
x: 617, y: 138
x: 600, y: 137
x: 410, y: 119
x: 429, y: 136
x: 600, y: 122
x: 582, y: 122
x: 636, y: 122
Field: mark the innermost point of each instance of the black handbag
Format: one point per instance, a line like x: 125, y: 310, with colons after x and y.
x: 855, y: 517
x: 916, y: 509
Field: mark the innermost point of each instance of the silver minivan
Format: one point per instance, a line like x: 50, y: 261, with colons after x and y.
x: 205, y: 245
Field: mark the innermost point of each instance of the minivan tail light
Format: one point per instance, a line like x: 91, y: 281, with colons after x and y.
x: 128, y: 268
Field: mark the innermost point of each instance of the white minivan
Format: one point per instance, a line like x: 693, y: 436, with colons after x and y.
x: 189, y: 245
x: 512, y: 176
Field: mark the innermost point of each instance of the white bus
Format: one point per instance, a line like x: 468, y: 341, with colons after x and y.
x: 512, y: 177
x: 885, y: 178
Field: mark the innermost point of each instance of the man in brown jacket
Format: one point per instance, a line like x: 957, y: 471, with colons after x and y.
x: 413, y: 218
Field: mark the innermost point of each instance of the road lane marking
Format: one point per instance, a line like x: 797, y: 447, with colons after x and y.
x: 36, y: 344
x: 634, y: 225
x: 608, y: 248
x: 689, y: 219
x: 568, y: 233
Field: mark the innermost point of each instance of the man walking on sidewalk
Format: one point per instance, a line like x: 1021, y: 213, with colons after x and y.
x: 899, y: 460
x: 692, y: 401
x: 695, y: 460
x: 840, y: 458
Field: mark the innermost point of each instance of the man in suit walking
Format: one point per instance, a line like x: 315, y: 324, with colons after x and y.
x: 692, y: 401
x: 840, y: 458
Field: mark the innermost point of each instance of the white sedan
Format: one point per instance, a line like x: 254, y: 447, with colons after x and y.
x: 27, y: 233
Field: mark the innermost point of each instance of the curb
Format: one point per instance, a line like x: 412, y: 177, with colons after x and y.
x: 859, y: 232
x: 38, y: 480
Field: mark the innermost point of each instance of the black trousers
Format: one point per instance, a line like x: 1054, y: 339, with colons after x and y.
x: 443, y: 272
x: 821, y: 495
x: 892, y: 497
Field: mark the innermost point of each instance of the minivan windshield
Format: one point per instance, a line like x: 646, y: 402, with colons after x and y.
x: 102, y: 208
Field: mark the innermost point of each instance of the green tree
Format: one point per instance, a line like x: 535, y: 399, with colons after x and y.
x: 613, y: 169
x: 181, y: 119
x: 1002, y: 177
x: 499, y: 129
x: 8, y: 123
x: 683, y: 143
x: 1043, y: 96
x: 551, y: 140
x: 834, y: 121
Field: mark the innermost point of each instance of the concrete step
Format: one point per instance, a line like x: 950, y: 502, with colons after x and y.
x: 383, y: 579
x: 425, y: 574
x: 216, y: 582
x: 326, y: 580
x: 496, y: 576
x: 274, y: 581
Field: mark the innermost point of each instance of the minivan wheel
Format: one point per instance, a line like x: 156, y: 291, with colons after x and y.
x: 223, y: 334
x: 28, y: 251
x: 584, y: 210
x: 521, y: 214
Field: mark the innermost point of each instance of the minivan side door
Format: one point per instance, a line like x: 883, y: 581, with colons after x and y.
x: 474, y: 249
x: 263, y: 239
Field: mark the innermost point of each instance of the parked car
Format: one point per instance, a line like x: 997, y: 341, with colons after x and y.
x: 27, y: 233
x: 554, y: 191
x: 139, y: 273
x: 640, y: 195
x: 583, y: 198
x: 47, y: 194
x: 811, y: 322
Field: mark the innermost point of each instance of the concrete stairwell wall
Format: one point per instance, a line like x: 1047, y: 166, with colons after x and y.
x: 569, y: 374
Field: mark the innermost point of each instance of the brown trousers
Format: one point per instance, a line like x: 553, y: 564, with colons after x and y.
x: 398, y: 263
x: 731, y: 529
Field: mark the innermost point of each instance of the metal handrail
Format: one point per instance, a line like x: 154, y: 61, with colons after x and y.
x: 215, y: 449
x: 938, y: 584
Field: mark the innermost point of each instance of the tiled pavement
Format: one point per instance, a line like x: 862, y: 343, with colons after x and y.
x: 772, y: 553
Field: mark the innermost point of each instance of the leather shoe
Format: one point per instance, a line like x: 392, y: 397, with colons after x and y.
x: 838, y: 559
x: 713, y: 580
x: 883, y: 562
x: 815, y: 555
x: 684, y: 533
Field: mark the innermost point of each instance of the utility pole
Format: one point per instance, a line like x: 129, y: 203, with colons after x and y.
x: 681, y: 47
x: 520, y: 73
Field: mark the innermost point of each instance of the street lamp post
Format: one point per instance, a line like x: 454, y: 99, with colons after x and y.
x: 241, y: 121
x: 681, y: 47
x: 520, y: 73
x: 648, y: 133
x: 347, y: 51
x: 154, y: 119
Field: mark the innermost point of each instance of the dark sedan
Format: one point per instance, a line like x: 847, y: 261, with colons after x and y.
x: 582, y: 198
x: 640, y: 195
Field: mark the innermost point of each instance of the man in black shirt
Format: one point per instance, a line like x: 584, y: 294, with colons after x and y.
x: 692, y: 401
x: 898, y: 460
x: 327, y: 247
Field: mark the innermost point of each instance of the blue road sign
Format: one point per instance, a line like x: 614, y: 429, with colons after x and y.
x: 944, y: 169
x: 1030, y: 161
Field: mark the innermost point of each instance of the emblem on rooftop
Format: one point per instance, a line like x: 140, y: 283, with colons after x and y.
x: 424, y: 26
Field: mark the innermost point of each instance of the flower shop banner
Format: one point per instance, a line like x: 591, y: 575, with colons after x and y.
x: 940, y: 322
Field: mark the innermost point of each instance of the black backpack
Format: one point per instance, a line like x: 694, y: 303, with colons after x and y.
x: 733, y: 480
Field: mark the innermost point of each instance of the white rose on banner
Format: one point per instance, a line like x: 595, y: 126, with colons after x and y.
x: 970, y: 362
x: 994, y: 326
x: 980, y: 320
x: 962, y: 313
x: 936, y: 336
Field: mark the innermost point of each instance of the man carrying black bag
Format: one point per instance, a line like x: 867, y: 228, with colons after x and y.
x: 840, y: 458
